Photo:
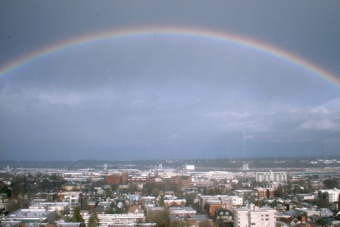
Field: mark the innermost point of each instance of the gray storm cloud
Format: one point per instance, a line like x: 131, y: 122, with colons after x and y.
x: 168, y: 96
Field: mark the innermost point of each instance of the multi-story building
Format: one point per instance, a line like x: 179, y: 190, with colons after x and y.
x: 232, y: 202
x: 183, y: 181
x: 117, y: 178
x: 245, y: 167
x: 246, y: 192
x: 174, y: 202
x: 253, y: 216
x: 210, y: 203
x: 117, y: 219
x: 148, y: 201
x: 179, y: 211
x: 223, y: 215
x: 219, y: 175
x: 271, y: 176
x: 211, y: 206
x: 58, y: 207
x: 236, y: 200
x: 72, y: 198
x: 265, y: 192
x: 332, y: 194
x: 241, y: 217
x: 189, y: 167
x: 31, y: 216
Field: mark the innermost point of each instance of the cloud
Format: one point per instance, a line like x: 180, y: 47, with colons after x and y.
x: 163, y: 96
x: 319, y: 125
x: 323, y: 117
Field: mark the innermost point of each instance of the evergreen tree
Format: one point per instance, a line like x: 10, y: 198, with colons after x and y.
x: 161, y: 202
x: 77, y: 216
x: 6, y: 190
x: 93, y: 220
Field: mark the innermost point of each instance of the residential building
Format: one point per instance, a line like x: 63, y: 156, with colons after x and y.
x: 117, y: 178
x: 31, y: 216
x: 241, y: 217
x: 179, y: 211
x: 174, y: 202
x: 72, y: 198
x: 223, y: 215
x: 245, y: 167
x: 232, y: 202
x: 189, y: 167
x: 199, y: 220
x: 148, y: 201
x: 183, y: 181
x: 219, y: 175
x: 58, y: 207
x: 11, y: 223
x: 271, y: 176
x: 331, y: 194
x: 211, y: 206
x: 307, y: 211
x: 117, y: 219
x: 254, y: 216
x: 265, y: 192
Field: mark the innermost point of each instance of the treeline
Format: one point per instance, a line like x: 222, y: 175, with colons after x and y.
x: 295, y: 162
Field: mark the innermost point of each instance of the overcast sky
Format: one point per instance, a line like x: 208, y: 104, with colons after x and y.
x: 168, y: 95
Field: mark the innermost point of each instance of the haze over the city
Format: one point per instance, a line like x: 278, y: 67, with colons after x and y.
x: 129, y: 80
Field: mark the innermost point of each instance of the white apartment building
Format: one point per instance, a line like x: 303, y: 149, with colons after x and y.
x: 31, y: 216
x: 271, y: 176
x: 241, y: 217
x: 254, y: 217
x: 58, y: 207
x: 117, y: 219
x: 333, y: 194
x: 245, y: 167
x: 180, y: 211
x: 72, y: 198
x: 190, y: 167
x: 219, y: 175
x: 236, y: 200
x: 232, y: 202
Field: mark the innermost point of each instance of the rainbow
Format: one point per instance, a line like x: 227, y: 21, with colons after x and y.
x: 190, y: 32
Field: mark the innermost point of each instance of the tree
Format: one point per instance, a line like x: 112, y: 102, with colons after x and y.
x: 6, y: 190
x: 322, y: 202
x: 161, y: 201
x: 331, y: 183
x: 109, y: 210
x: 155, y: 192
x: 93, y: 220
x: 161, y: 218
x: 190, y: 198
x: 76, y: 215
x: 108, y: 192
x: 322, y: 222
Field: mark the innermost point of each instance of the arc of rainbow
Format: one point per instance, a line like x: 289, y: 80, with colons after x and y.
x: 182, y: 31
